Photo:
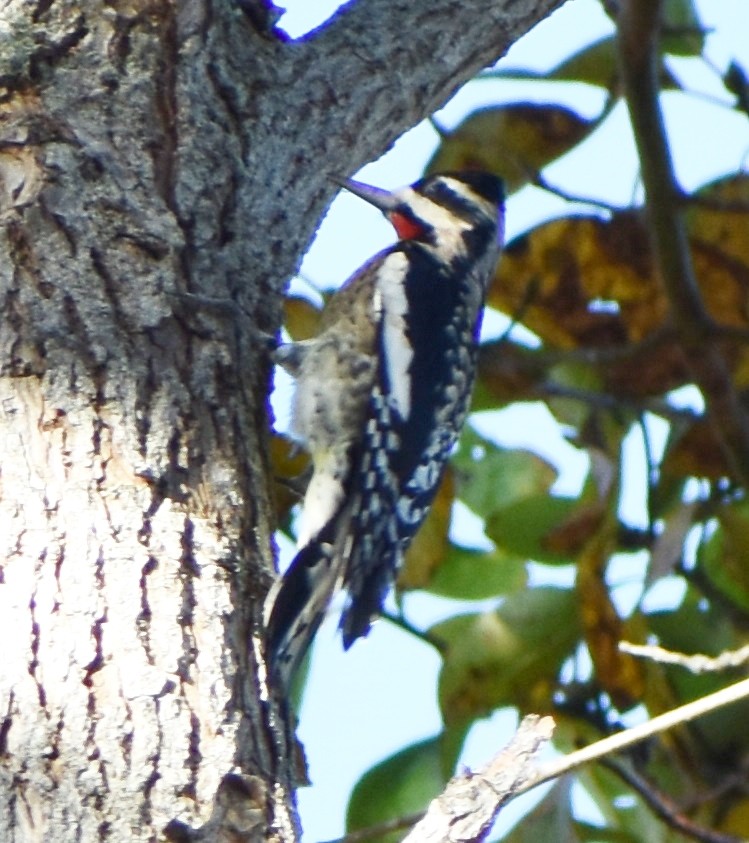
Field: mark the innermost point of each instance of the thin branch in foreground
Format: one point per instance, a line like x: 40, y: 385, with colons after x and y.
x: 665, y: 808
x: 541, y: 182
x: 695, y: 663
x: 609, y: 401
x: 370, y: 832
x: 401, y: 622
x: 637, y: 734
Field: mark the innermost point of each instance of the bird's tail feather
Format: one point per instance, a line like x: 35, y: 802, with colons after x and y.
x: 295, y: 607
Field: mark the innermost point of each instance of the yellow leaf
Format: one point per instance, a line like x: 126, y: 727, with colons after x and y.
x: 301, y: 318
x: 288, y: 464
x: 514, y: 141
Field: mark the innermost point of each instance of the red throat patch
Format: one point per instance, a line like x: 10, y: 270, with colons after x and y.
x: 404, y: 226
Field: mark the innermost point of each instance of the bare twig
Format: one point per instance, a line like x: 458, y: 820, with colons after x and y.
x: 372, y: 831
x: 665, y: 808
x: 608, y: 401
x: 400, y: 621
x: 696, y: 663
x: 637, y: 734
x: 540, y: 181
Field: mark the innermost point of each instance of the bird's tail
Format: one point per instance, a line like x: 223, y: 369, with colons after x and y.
x: 295, y: 607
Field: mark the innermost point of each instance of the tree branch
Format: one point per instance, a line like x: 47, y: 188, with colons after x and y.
x: 637, y: 734
x: 415, y: 46
x: 466, y: 810
x: 665, y: 808
x: 638, y: 26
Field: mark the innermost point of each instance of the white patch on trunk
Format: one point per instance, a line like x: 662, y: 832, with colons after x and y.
x: 398, y: 350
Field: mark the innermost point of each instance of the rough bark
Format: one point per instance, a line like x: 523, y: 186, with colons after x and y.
x: 150, y: 149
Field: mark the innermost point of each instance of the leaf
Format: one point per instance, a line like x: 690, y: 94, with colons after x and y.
x: 700, y: 626
x: 514, y: 141
x: 695, y: 451
x: 736, y: 82
x: 627, y: 819
x: 491, y: 477
x: 572, y: 264
x: 595, y: 64
x: 397, y: 787
x: 586, y: 282
x: 726, y: 554
x: 551, y: 819
x: 619, y: 674
x: 718, y: 225
x: 507, y: 657
x: 301, y: 318
x: 508, y: 371
x: 477, y: 575
x: 682, y: 30
x: 288, y: 463
x: 527, y: 528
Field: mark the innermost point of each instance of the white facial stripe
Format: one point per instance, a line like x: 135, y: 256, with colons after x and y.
x: 464, y: 190
x: 436, y: 215
x: 398, y: 351
x: 448, y: 227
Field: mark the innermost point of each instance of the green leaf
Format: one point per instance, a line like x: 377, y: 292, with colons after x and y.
x: 477, y: 575
x: 683, y: 33
x: 401, y: 785
x: 490, y: 477
x: 525, y: 528
x: 551, y: 819
x: 577, y: 377
x: 588, y: 833
x: 452, y: 740
x: 595, y: 64
x: 725, y: 554
x: 699, y: 626
x: 507, y: 657
x: 301, y: 317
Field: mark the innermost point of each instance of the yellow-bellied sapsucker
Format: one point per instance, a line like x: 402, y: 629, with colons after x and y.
x: 382, y: 393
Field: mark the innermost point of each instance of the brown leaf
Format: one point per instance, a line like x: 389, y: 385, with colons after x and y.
x: 592, y: 279
x: 619, y: 674
x: 696, y: 453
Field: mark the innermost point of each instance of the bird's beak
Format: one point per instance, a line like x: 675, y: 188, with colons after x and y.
x: 382, y: 199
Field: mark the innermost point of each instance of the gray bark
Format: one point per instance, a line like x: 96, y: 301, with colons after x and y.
x: 150, y: 149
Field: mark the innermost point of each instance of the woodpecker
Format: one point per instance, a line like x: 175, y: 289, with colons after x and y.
x: 381, y: 395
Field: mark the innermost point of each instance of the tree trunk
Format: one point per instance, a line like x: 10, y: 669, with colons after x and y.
x: 150, y: 150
